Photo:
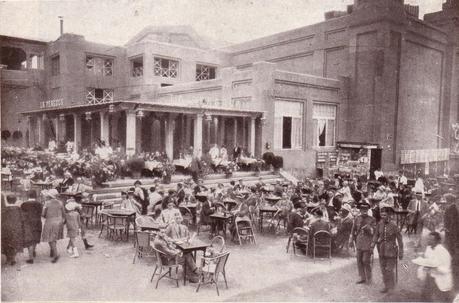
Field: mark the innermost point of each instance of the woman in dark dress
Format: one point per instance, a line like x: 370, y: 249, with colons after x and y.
x: 12, y: 230
x: 54, y: 215
x: 31, y: 212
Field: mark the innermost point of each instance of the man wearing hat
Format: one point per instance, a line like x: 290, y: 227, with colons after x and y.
x: 362, y: 234
x: 344, y: 227
x: 416, y: 209
x: 389, y: 243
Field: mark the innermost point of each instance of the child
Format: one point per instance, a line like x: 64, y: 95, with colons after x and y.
x: 72, y: 218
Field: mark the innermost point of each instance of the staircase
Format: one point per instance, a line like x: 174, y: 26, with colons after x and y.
x: 111, y: 192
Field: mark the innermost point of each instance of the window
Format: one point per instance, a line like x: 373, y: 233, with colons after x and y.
x: 99, y: 65
x: 35, y: 61
x: 55, y: 66
x: 99, y: 95
x: 165, y: 68
x: 204, y: 72
x: 323, y: 118
x: 288, y: 125
x: 137, y: 67
x: 14, y: 58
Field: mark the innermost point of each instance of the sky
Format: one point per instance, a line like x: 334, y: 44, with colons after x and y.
x: 116, y: 21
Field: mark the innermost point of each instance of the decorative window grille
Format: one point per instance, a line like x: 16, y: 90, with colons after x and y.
x: 137, y: 67
x: 165, y: 68
x: 288, y: 125
x: 323, y: 118
x: 99, y: 96
x: 204, y: 72
x: 99, y: 66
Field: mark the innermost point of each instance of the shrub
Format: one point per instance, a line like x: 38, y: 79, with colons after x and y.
x: 136, y: 164
x: 5, y: 134
x: 278, y: 162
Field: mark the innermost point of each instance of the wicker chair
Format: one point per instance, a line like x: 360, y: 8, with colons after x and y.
x: 322, y: 239
x: 167, y: 268
x: 211, y: 269
x: 142, y: 245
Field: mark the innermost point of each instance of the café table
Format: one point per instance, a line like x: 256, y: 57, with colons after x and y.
x: 190, y: 248
x: 223, y: 218
x: 268, y: 210
x: 229, y: 204
x: 43, y: 185
x: 128, y: 215
x: 400, y: 217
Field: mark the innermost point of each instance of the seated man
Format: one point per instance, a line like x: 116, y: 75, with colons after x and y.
x: 170, y: 212
x: 318, y: 225
x: 295, y: 219
x: 171, y: 254
x: 176, y: 230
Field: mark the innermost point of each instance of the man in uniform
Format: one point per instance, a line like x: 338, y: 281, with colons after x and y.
x: 362, y: 234
x: 389, y: 242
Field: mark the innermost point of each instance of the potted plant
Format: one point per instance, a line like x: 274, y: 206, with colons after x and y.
x: 5, y: 134
x: 230, y: 168
x: 17, y: 134
x: 136, y: 165
x: 278, y: 163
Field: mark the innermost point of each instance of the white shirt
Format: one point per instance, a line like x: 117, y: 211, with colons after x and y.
x: 440, y: 258
x: 378, y: 174
x: 403, y: 180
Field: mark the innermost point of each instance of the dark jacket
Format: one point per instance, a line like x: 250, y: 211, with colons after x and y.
x: 362, y: 232
x: 386, y: 237
x: 206, y: 211
x: 31, y: 212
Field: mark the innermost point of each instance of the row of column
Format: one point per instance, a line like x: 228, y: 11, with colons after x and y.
x: 133, y: 135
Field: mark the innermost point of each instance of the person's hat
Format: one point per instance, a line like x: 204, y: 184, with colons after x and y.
x: 52, y: 193
x: 346, y: 207
x: 381, y: 187
x: 171, y: 191
x: 363, y: 205
x: 131, y: 190
x: 70, y: 206
x: 450, y: 198
x: 339, y: 194
x: 124, y: 193
x: 137, y: 182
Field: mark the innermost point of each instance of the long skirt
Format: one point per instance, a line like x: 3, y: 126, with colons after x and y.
x: 53, y: 230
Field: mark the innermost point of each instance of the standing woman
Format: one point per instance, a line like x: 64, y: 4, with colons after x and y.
x: 54, y: 215
x: 31, y: 212
x: 12, y: 229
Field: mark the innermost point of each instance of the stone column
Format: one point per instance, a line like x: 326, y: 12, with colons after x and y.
x: 215, y: 133
x: 169, y: 142
x: 235, y: 132
x: 222, y: 131
x: 56, y: 129
x: 41, y: 131
x: 252, y: 136
x: 197, y: 137
x: 104, y: 128
x: 76, y: 132
x: 130, y: 133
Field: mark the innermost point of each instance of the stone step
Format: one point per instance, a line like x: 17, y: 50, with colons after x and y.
x: 113, y: 192
x: 179, y: 178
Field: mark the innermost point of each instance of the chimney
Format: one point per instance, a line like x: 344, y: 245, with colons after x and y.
x: 61, y: 20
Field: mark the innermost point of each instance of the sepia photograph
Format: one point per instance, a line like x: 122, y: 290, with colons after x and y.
x: 229, y: 150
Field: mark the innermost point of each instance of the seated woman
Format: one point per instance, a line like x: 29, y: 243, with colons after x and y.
x: 343, y: 228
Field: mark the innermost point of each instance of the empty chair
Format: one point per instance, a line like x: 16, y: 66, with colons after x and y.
x: 142, y: 245
x: 117, y: 226
x: 322, y: 240
x: 218, y: 244
x: 212, y: 268
x: 163, y: 266
x: 244, y: 231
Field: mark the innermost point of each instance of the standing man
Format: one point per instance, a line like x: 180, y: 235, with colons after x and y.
x: 362, y: 234
x: 389, y: 242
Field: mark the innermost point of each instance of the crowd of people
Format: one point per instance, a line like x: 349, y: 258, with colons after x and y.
x: 358, y: 213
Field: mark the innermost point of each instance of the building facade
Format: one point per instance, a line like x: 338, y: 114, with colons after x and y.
x: 373, y: 74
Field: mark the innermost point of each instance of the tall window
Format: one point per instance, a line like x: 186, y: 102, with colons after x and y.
x: 288, y: 125
x: 324, y: 117
x: 99, y: 66
x: 204, y: 72
x: 165, y: 67
x: 99, y: 95
x: 55, y: 66
x: 35, y: 61
x: 137, y: 67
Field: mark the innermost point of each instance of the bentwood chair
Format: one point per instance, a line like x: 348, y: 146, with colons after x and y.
x: 87, y: 213
x: 212, y: 269
x: 244, y: 231
x: 117, y: 226
x: 142, y: 245
x: 300, y: 238
x: 164, y: 266
x: 218, y: 244
x: 322, y: 240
